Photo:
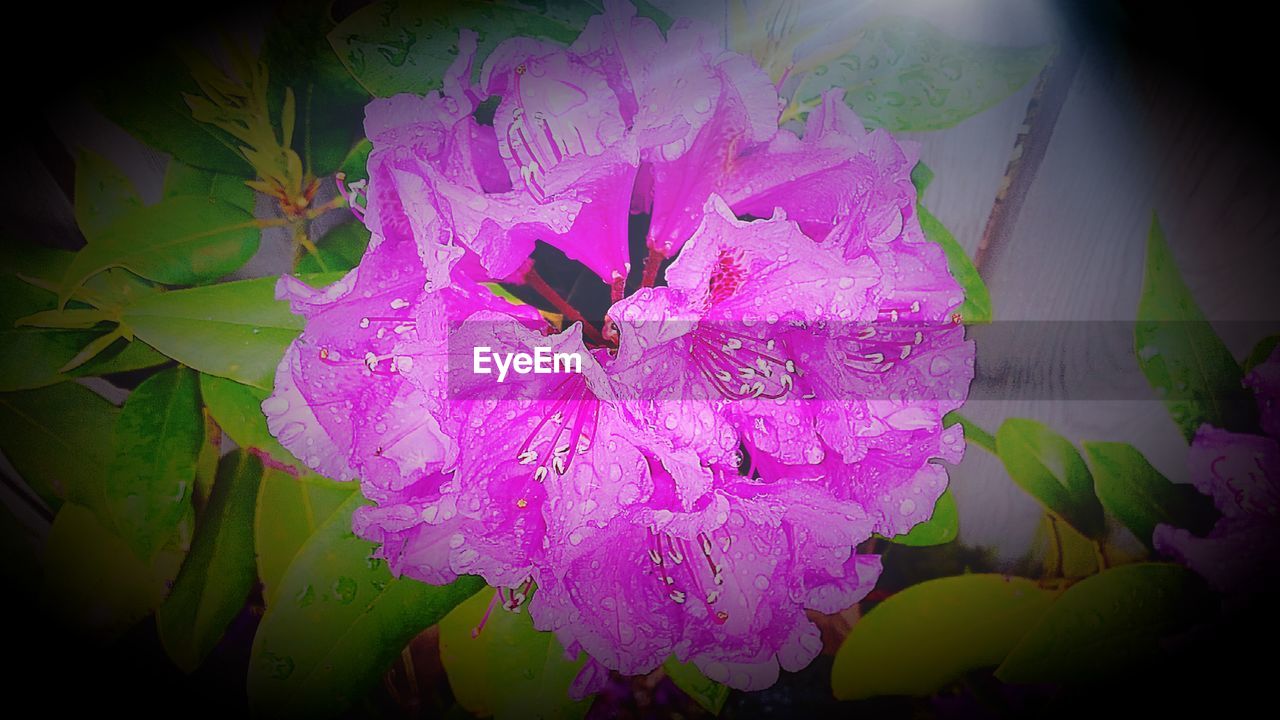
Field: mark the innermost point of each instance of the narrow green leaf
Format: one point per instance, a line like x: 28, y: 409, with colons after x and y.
x: 181, y: 241
x: 288, y: 511
x: 394, y: 47
x: 338, y: 622
x: 340, y: 249
x: 121, y: 356
x: 157, y: 440
x: 1048, y: 466
x: 237, y: 409
x: 1181, y: 355
x: 182, y: 180
x: 977, y: 299
x: 236, y: 330
x: 59, y: 439
x: 508, y: 670
x: 102, y: 194
x: 929, y: 635
x: 941, y: 528
x: 903, y: 74
x: 219, y: 571
x: 1140, y: 497
x: 708, y: 693
x: 92, y: 579
x: 1107, y: 624
x: 330, y: 103
x: 155, y: 112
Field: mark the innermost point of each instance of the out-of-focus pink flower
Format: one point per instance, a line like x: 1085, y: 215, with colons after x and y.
x: 734, y: 434
x: 1241, y: 472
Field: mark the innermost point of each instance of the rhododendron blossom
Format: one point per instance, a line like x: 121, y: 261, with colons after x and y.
x: 763, y: 395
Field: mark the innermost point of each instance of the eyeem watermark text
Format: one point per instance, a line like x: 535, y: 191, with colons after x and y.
x: 541, y: 362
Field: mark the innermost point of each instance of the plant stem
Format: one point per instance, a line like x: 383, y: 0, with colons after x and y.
x: 540, y: 286
x: 651, y: 265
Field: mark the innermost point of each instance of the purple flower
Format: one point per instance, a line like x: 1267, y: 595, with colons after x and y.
x: 730, y: 437
x: 1241, y: 472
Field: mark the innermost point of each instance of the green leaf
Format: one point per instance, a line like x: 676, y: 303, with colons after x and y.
x: 288, y: 511
x: 93, y: 580
x: 102, y: 194
x: 1261, y: 352
x: 974, y: 434
x: 904, y: 74
x: 708, y: 693
x: 236, y: 330
x: 355, y: 166
x: 338, y: 621
x: 157, y: 440
x: 155, y: 112
x: 330, y: 104
x: 1047, y: 466
x: 120, y: 356
x: 921, y: 177
x: 237, y: 409
x: 1107, y: 624
x: 1181, y: 355
x: 395, y: 47
x: 931, y: 634
x: 977, y: 299
x: 30, y: 357
x: 509, y: 669
x: 340, y: 249
x: 1140, y: 497
x: 219, y: 571
x: 181, y: 241
x: 182, y: 180
x: 941, y: 528
x: 59, y: 439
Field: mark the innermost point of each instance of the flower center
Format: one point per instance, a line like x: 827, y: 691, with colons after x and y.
x: 569, y: 423
x: 704, y: 578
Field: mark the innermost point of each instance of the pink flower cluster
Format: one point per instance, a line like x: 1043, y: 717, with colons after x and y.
x: 742, y: 421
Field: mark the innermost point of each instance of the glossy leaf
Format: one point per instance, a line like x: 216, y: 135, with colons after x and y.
x: 59, y: 439
x: 976, y: 307
x: 157, y: 440
x: 1140, y: 497
x: 904, y: 74
x: 338, y: 621
x: 392, y: 47
x: 1048, y: 466
x: 236, y: 330
x: 941, y: 528
x: 289, y: 509
x: 509, y: 669
x: 181, y: 241
x: 103, y: 194
x: 237, y: 409
x: 708, y: 693
x: 1182, y: 357
x: 1109, y: 623
x: 219, y: 571
x: 931, y: 634
x: 339, y: 250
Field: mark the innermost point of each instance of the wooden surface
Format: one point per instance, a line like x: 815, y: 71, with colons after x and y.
x: 1120, y: 149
